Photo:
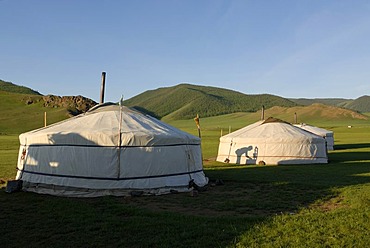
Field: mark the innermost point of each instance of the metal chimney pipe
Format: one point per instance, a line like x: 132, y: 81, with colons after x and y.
x: 102, y: 89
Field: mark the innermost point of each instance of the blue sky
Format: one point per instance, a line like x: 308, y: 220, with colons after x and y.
x: 297, y: 48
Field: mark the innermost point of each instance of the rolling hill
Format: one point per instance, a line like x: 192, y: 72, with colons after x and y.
x: 361, y: 104
x: 17, y: 116
x: 326, y: 101
x: 184, y: 101
x: 20, y: 112
x: 314, y: 113
x: 22, y: 109
x: 10, y: 87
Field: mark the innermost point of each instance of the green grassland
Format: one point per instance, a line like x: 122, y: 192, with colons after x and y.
x: 324, y: 205
x: 16, y: 116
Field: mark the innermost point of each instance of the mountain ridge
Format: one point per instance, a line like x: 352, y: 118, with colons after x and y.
x: 184, y: 101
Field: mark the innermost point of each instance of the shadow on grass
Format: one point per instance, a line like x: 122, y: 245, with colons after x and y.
x: 352, y: 146
x: 349, y: 157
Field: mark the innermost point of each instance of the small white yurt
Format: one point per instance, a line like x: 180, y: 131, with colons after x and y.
x: 273, y: 142
x: 326, y: 134
x: 109, y: 150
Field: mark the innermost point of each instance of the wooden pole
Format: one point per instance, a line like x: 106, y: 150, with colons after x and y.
x: 295, y: 118
x: 45, y: 123
x: 196, y: 119
x: 102, y: 89
x: 263, y: 113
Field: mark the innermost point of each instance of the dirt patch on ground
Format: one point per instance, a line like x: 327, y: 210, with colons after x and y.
x: 330, y: 204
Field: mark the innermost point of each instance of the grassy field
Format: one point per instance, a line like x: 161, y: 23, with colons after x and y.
x: 16, y: 116
x: 258, y: 206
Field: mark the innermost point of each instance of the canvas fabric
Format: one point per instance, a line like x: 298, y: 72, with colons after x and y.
x: 326, y: 134
x: 272, y: 143
x: 109, y: 149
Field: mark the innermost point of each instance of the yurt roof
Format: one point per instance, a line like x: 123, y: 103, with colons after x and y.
x: 101, y: 126
x: 316, y: 130
x: 271, y: 130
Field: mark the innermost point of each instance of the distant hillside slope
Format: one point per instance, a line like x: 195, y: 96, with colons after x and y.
x: 314, y: 113
x: 17, y: 116
x: 22, y: 109
x: 326, y: 101
x: 10, y: 87
x: 361, y: 104
x: 24, y: 112
x: 319, y: 115
x: 184, y: 101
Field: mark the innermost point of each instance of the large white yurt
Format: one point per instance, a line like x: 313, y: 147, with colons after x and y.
x: 109, y: 150
x: 326, y: 134
x: 272, y: 141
